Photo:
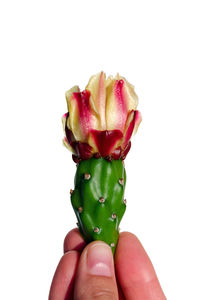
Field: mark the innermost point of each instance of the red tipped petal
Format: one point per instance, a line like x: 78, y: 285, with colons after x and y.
x: 82, y: 100
x: 65, y: 116
x: 97, y: 89
x: 64, y: 120
x: 67, y: 145
x: 126, y: 150
x: 129, y: 128
x: 86, y: 120
x: 69, y: 136
x: 121, y: 101
x: 132, y: 122
x: 116, y: 106
x: 106, y: 140
x: 138, y: 120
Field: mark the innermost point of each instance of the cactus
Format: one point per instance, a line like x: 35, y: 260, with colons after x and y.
x: 98, y: 199
x: 98, y: 127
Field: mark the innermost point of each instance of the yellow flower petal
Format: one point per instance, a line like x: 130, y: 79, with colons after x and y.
x: 73, y: 120
x: 81, y: 115
x: 120, y: 99
x: 69, y: 93
x: 64, y: 119
x: 129, y: 94
x: 137, y: 122
x: 116, y: 110
x: 97, y: 89
x: 67, y: 145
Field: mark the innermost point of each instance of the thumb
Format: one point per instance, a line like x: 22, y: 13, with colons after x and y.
x: 95, y: 277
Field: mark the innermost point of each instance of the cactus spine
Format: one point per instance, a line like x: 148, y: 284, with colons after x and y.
x: 98, y: 199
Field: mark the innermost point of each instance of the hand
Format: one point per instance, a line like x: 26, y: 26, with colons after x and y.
x: 89, y: 272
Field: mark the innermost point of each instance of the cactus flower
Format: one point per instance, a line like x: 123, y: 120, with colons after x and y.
x: 101, y: 119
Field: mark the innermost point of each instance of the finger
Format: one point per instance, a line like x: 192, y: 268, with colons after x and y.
x: 95, y: 277
x: 135, y: 271
x: 74, y: 241
x: 63, y: 280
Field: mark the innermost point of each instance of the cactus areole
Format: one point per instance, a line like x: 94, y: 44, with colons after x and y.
x: 98, y: 128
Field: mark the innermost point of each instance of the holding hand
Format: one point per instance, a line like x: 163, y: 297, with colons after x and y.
x: 89, y: 272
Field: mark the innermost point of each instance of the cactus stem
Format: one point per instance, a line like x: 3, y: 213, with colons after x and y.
x: 102, y: 200
x: 114, y: 216
x: 98, y: 198
x: 96, y: 229
x: 80, y: 209
x: 121, y: 181
x: 87, y: 176
x: 125, y: 201
x: 71, y: 192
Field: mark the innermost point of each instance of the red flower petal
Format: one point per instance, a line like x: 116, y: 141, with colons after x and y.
x: 116, y: 154
x: 126, y: 150
x: 106, y: 140
x: 76, y: 159
x: 133, y: 119
x: 69, y: 136
x: 85, y: 115
x: 83, y: 150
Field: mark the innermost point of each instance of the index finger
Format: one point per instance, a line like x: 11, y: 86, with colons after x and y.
x: 135, y: 271
x: 74, y: 241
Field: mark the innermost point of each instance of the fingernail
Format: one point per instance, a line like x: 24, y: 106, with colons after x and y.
x: 100, y: 260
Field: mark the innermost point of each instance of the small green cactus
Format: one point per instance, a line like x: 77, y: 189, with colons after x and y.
x: 98, y: 127
x: 98, y: 199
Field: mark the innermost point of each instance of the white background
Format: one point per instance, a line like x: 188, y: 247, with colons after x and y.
x: 46, y: 48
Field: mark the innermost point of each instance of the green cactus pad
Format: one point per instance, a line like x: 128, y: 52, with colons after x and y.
x: 98, y: 199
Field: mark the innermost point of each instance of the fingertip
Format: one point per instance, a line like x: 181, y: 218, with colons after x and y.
x: 95, y: 251
x: 73, y: 241
x: 99, y: 259
x: 129, y: 236
x: 95, y: 276
x: 134, y: 269
x: 131, y: 254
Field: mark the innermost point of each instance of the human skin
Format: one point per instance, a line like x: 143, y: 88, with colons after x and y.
x: 89, y: 271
